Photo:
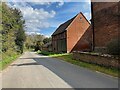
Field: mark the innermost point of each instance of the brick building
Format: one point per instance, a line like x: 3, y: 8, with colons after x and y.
x: 73, y: 35
x: 105, y: 21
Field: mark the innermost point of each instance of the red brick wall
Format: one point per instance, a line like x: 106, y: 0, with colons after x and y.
x: 101, y: 5
x: 75, y: 32
x: 105, y: 22
x: 97, y: 59
x: 85, y: 42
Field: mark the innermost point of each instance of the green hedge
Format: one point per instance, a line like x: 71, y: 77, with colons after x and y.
x: 113, y: 47
x: 45, y: 53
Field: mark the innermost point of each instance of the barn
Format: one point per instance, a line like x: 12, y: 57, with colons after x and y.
x: 73, y: 35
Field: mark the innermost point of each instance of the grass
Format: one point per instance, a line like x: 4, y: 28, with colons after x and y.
x: 7, y: 59
x: 68, y: 58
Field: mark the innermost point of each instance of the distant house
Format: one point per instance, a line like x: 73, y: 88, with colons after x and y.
x: 73, y: 35
x: 105, y: 21
x: 47, y: 47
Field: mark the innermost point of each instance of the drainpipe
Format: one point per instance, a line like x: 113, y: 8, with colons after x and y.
x: 119, y: 29
x: 93, y: 31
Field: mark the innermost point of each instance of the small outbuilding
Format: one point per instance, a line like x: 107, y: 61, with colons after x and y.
x: 48, y: 47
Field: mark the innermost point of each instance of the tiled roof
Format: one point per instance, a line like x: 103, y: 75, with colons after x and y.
x: 63, y: 26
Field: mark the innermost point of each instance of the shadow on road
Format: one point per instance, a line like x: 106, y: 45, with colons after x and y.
x: 25, y: 64
x: 75, y: 76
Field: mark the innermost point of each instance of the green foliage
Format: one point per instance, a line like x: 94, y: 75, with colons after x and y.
x: 47, y: 40
x: 46, y: 53
x: 29, y: 42
x: 20, y: 38
x: 34, y: 41
x: 13, y: 34
x: 113, y: 47
x: 38, y: 45
x: 8, y: 58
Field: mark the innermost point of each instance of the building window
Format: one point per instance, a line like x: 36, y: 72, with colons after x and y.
x: 80, y: 18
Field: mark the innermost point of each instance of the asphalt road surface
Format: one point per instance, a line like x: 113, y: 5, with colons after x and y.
x: 37, y: 71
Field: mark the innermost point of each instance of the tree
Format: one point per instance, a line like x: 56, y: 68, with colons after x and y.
x: 13, y: 34
x: 38, y: 45
x: 47, y: 40
x: 20, y: 34
x: 20, y: 38
x: 34, y: 41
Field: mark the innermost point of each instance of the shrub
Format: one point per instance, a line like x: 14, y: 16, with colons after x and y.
x: 46, y: 53
x: 113, y: 47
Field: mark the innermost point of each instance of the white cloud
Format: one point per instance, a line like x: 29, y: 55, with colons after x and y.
x: 35, y: 19
x: 33, y: 33
x: 39, y: 14
x: 40, y: 2
x: 88, y: 1
x: 61, y: 3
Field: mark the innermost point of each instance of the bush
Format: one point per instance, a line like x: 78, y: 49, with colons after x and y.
x: 113, y: 47
x: 46, y: 53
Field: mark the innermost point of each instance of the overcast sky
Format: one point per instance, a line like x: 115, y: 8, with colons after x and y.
x: 45, y: 17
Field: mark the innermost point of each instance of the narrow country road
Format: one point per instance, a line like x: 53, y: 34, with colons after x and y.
x: 37, y: 71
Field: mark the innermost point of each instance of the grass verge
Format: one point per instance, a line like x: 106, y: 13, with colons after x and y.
x: 7, y: 60
x: 68, y: 58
